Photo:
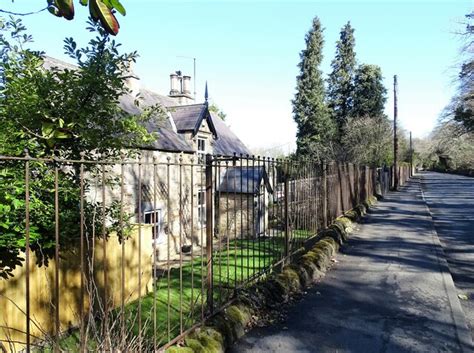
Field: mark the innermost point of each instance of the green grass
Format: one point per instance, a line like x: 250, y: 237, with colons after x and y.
x: 181, y: 294
x: 180, y: 298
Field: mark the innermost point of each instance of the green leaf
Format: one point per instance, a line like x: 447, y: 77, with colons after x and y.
x: 118, y: 6
x: 93, y: 10
x: 17, y: 203
x: 106, y: 17
x: 62, y: 134
x: 47, y: 129
x: 66, y: 8
x: 83, y: 2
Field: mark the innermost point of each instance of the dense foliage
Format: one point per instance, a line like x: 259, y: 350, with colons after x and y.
x: 368, y: 141
x: 461, y: 110
x: 316, y: 129
x: 370, y: 95
x: 58, y: 113
x: 341, y: 79
x: 346, y: 122
x: 447, y: 150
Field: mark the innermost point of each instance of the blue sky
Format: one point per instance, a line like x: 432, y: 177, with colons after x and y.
x: 248, y: 52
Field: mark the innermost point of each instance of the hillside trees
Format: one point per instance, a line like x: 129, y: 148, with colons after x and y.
x: 315, y: 128
x: 58, y: 113
x: 461, y: 109
x: 446, y: 149
x: 450, y: 146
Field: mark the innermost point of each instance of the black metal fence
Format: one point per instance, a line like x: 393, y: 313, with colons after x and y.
x: 130, y: 255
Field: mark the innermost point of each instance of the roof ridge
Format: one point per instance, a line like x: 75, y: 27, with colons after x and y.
x: 185, y: 105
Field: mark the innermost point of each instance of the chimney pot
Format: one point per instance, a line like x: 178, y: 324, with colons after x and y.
x: 187, y: 85
x: 175, y: 86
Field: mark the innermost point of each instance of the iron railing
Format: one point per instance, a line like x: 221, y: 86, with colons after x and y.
x: 131, y: 254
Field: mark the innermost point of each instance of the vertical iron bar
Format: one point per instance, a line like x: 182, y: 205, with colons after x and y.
x: 155, y: 234
x: 287, y: 215
x: 122, y: 260
x: 180, y: 215
x: 140, y: 253
x: 56, y: 257
x: 411, y: 157
x: 227, y: 232
x: 209, y: 229
x: 255, y: 225
x: 27, y: 247
x: 217, y: 227
x: 247, y: 186
x: 104, y: 240
x: 201, y: 184
x: 192, y: 235
x: 395, y: 136
x: 81, y: 226
x: 168, y: 240
x: 324, y: 194
x: 275, y: 208
x: 235, y: 220
x: 241, y: 218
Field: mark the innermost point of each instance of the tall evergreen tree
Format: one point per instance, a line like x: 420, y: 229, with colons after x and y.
x: 315, y: 127
x: 369, y: 95
x: 340, y: 81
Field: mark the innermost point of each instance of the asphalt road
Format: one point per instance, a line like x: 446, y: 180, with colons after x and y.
x: 390, y: 291
x: 450, y: 199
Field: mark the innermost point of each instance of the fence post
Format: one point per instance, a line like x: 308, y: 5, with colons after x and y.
x: 287, y: 214
x: 324, y: 182
x: 209, y: 230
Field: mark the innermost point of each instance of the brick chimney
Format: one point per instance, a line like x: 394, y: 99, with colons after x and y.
x: 180, y: 89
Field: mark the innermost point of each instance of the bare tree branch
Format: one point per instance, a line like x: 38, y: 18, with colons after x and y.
x: 23, y: 14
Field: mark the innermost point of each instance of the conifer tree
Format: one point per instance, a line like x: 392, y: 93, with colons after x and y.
x: 369, y: 95
x: 340, y: 81
x: 315, y: 127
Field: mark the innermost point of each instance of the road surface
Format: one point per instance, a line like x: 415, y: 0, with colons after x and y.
x: 450, y: 199
x: 390, y: 291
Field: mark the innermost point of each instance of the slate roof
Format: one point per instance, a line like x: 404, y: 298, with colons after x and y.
x: 168, y: 139
x: 183, y: 118
x: 227, y: 142
x: 186, y: 117
x: 244, y: 180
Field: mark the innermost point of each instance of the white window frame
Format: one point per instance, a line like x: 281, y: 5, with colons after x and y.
x: 201, y: 208
x: 201, y: 152
x: 157, y: 229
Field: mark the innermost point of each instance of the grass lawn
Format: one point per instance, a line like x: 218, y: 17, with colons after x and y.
x: 181, y: 296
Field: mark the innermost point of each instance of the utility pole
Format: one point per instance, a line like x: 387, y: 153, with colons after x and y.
x: 395, y: 137
x: 194, y: 69
x: 411, y: 156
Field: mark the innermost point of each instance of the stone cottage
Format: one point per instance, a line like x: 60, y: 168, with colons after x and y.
x: 165, y: 192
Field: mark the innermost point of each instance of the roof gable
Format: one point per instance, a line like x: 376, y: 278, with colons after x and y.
x: 244, y: 180
x: 188, y: 118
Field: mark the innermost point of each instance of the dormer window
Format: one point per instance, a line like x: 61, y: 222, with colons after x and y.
x: 201, y: 145
x: 201, y: 150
